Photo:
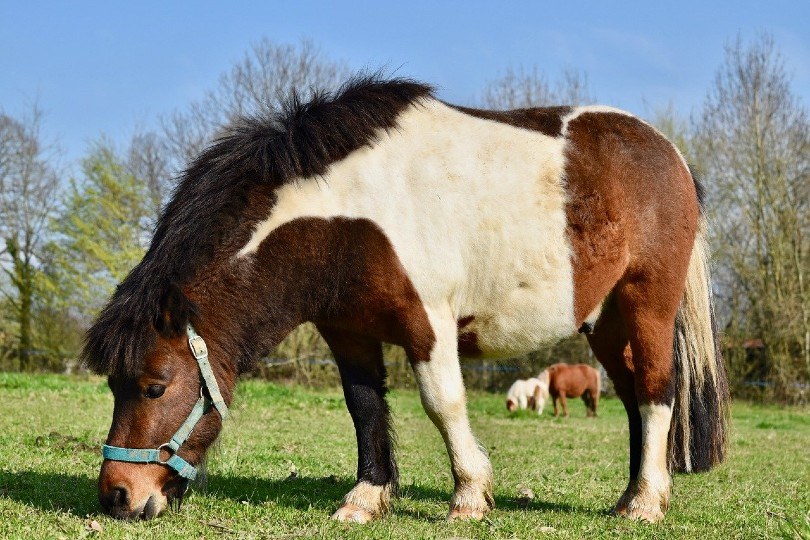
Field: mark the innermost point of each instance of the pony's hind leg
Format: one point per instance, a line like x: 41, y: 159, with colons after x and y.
x: 564, y: 404
x: 441, y: 388
x: 611, y: 346
x: 362, y: 374
x: 648, y: 309
x: 586, y: 399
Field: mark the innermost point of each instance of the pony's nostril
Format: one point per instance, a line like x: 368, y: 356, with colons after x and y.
x: 116, y: 498
x: 121, y: 496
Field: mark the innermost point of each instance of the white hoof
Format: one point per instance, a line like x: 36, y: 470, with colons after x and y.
x: 352, y: 514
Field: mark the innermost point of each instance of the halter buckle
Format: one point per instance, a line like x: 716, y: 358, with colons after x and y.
x: 198, y: 347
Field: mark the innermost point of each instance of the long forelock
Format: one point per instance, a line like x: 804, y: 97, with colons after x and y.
x: 300, y: 140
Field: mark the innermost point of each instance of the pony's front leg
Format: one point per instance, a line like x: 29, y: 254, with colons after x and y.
x: 362, y: 374
x: 441, y: 388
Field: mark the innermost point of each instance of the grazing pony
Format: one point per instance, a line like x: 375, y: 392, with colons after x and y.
x: 573, y: 381
x: 383, y: 214
x: 527, y: 393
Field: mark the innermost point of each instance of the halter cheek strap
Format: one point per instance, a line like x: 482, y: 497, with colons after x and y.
x: 203, y: 405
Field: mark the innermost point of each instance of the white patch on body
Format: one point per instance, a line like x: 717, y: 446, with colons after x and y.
x: 475, y: 210
x: 541, y: 396
x: 593, y: 316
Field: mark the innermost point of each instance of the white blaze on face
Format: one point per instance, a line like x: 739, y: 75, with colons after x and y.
x: 475, y: 210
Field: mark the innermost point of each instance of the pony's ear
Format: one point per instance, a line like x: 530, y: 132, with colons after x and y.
x: 175, y: 312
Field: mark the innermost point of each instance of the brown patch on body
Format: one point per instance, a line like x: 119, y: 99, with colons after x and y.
x: 468, y: 345
x: 631, y: 204
x: 342, y: 274
x: 546, y: 120
x: 598, y: 245
x: 632, y: 218
x: 467, y: 341
x: 464, y: 321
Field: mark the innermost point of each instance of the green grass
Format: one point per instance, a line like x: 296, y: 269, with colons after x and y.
x: 51, y: 428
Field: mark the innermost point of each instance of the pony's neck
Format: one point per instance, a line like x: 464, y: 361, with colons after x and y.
x: 250, y: 307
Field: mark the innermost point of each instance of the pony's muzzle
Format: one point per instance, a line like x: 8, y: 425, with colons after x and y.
x: 133, y: 491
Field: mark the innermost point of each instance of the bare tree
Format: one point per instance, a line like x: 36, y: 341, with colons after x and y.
x: 148, y: 161
x: 754, y: 140
x: 28, y: 189
x: 519, y: 89
x: 259, y: 82
x: 680, y: 131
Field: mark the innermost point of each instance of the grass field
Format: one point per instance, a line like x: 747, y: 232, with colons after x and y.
x: 51, y: 429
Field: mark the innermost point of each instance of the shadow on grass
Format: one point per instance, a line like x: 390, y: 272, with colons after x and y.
x: 73, y: 494
x: 77, y: 495
x: 325, y: 494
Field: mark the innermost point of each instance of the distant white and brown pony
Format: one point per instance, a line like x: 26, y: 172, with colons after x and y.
x: 383, y: 214
x: 573, y: 380
x: 527, y: 394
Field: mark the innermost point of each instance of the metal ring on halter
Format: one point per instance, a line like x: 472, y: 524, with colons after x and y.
x: 168, y: 449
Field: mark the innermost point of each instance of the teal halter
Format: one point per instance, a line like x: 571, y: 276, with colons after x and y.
x: 203, y: 405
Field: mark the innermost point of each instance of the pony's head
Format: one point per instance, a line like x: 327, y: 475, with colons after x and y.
x: 511, y: 405
x: 165, y: 414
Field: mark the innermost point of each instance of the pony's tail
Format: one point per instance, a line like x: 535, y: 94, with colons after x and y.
x: 698, y: 434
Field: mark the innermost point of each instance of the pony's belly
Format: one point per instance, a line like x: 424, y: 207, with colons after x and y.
x: 524, y: 323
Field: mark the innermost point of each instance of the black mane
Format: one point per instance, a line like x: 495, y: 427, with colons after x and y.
x: 299, y: 141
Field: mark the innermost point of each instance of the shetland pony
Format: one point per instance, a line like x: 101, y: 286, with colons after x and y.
x: 383, y: 214
x: 573, y: 380
x: 527, y: 393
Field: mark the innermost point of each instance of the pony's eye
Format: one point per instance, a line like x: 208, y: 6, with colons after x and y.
x: 154, y: 391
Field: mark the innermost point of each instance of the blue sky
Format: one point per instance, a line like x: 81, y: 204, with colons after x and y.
x: 107, y: 67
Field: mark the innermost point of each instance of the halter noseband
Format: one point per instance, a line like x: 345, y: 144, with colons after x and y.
x: 203, y: 405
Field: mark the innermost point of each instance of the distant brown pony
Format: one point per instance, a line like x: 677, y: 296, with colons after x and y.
x: 573, y: 380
